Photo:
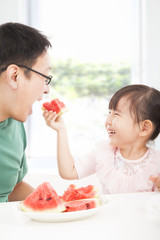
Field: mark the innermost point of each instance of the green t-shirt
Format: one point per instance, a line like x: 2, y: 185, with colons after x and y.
x: 13, y: 166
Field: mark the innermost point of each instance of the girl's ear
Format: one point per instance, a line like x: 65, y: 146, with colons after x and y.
x: 12, y: 72
x: 146, y: 128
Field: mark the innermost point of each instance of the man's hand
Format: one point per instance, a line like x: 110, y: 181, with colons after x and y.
x: 20, y: 192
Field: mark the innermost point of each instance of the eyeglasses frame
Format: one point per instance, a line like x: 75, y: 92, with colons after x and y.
x: 48, y: 78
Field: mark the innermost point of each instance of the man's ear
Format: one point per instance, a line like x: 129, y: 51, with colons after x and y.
x: 12, y: 72
x: 146, y: 128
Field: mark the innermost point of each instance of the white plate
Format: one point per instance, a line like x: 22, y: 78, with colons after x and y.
x: 66, y: 216
x: 154, y: 204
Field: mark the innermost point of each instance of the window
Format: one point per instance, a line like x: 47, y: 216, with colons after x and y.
x: 92, y: 57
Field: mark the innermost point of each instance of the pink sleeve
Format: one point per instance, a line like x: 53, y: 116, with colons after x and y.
x: 85, y: 164
x: 95, y: 161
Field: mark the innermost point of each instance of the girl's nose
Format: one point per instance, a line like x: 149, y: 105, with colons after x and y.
x: 108, y: 120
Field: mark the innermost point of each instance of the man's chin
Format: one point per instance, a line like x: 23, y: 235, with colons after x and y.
x: 30, y: 111
x: 23, y: 118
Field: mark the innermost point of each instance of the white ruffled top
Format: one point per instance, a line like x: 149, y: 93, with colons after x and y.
x: 117, y: 174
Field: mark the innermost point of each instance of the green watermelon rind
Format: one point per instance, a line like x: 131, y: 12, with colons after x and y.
x: 63, y: 110
x: 58, y: 209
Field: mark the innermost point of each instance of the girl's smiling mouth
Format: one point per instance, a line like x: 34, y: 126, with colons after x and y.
x: 111, y: 132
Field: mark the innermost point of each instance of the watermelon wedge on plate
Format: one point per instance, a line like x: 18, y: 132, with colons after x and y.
x: 73, y: 193
x: 43, y: 199
x: 82, y: 204
x: 56, y: 106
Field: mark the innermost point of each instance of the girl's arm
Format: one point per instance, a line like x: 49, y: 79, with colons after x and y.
x: 65, y: 160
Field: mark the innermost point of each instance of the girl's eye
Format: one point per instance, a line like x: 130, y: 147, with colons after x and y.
x: 116, y: 114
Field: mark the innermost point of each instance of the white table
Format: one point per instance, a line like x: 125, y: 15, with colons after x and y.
x: 125, y: 218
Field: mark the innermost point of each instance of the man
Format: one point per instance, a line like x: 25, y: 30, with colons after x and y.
x: 24, y: 67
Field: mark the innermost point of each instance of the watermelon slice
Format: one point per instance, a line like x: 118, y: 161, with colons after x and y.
x: 83, y: 204
x: 73, y: 193
x: 56, y: 106
x: 43, y: 199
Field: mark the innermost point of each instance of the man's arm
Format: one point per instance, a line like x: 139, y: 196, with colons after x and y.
x: 20, y: 192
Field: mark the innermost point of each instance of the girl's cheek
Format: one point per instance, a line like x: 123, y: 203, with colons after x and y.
x: 114, y: 122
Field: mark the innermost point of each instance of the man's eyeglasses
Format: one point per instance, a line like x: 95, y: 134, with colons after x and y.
x: 47, y: 80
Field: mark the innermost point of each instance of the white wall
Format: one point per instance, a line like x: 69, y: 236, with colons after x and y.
x: 13, y: 11
x: 151, y: 42
x: 150, y: 46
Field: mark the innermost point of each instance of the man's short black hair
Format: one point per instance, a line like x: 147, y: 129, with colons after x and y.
x: 21, y: 44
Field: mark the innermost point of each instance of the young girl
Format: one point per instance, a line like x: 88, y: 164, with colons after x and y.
x: 124, y: 163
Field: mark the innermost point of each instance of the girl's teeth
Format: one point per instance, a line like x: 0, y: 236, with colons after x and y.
x: 112, y: 132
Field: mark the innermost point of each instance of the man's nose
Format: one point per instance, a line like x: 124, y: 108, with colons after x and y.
x: 46, y: 89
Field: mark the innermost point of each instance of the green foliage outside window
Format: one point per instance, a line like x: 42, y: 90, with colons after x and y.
x: 74, y: 79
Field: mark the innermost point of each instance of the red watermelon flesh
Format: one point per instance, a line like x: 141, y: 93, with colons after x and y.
x: 73, y: 193
x: 56, y: 106
x: 83, y: 204
x: 43, y: 198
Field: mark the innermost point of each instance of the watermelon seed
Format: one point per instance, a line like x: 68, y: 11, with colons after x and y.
x: 47, y: 199
x: 40, y: 198
x: 87, y: 205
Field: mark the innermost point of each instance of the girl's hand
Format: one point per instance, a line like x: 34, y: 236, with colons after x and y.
x: 156, y: 181
x: 53, y: 121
